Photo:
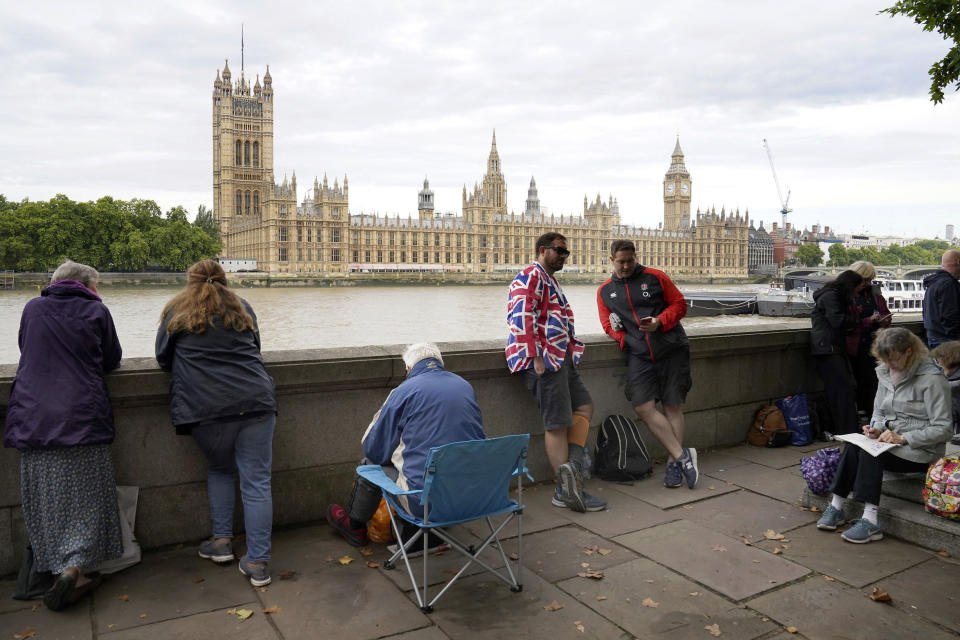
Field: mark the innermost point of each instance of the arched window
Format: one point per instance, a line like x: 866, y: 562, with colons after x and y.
x: 246, y: 203
x: 256, y: 200
x: 256, y: 154
x: 239, y: 158
x: 239, y: 201
x: 246, y: 153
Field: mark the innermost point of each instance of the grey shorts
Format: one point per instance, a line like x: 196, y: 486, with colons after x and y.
x: 558, y: 393
x: 667, y: 380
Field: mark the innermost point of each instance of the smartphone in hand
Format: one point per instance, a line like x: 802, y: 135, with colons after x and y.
x: 647, y: 320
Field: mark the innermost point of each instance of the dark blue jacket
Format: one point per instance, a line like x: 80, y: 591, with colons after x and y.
x: 59, y: 398
x: 941, y: 308
x: 831, y: 322
x: 217, y: 375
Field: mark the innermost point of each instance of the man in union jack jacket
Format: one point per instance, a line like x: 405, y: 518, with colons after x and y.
x: 641, y: 308
x: 543, y: 349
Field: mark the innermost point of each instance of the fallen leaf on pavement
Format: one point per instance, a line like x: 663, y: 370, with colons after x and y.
x: 273, y: 609
x: 648, y: 602
x: 372, y: 564
x: 243, y: 614
x: 259, y: 590
x: 590, y: 549
x: 345, y: 560
x: 286, y: 574
x: 591, y: 573
x: 719, y: 547
x: 815, y: 509
x: 714, y: 629
x: 879, y: 595
x: 688, y: 506
x: 604, y: 552
x: 777, y: 551
x: 943, y: 554
x: 514, y: 556
x: 111, y: 625
x: 198, y: 580
x: 650, y: 581
x: 123, y: 597
x: 143, y: 615
x: 553, y: 606
x: 601, y: 597
x: 829, y: 579
x: 748, y: 543
x: 584, y: 564
x: 26, y: 633
x: 694, y: 593
x: 578, y: 625
x: 770, y: 534
x: 367, y: 551
x: 792, y: 630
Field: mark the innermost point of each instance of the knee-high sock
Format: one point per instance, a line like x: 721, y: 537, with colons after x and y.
x: 577, y: 432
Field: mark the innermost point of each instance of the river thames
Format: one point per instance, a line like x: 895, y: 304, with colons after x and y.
x: 317, y: 317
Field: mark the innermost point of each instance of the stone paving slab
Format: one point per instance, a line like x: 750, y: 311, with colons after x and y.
x: 7, y: 603
x: 167, y: 585
x: 560, y: 553
x: 773, y: 483
x: 215, y: 625
x: 350, y: 601
x: 538, y: 514
x: 777, y: 458
x: 652, y: 491
x: 440, y: 567
x: 72, y: 623
x: 683, y: 608
x: 482, y: 607
x: 724, y: 564
x: 427, y: 633
x: 920, y: 590
x: 856, y: 564
x: 623, y: 514
x: 714, y: 460
x: 744, y: 514
x: 821, y: 609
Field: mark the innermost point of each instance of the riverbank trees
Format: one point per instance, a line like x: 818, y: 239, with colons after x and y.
x: 109, y: 235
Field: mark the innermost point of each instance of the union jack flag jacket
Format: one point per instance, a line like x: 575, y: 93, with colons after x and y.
x: 540, y: 321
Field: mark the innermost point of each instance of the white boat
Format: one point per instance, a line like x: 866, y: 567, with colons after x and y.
x: 902, y: 296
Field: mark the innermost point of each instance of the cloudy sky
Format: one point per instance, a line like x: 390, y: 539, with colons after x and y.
x: 114, y: 98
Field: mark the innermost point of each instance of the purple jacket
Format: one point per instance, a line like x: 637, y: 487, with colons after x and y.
x: 58, y: 397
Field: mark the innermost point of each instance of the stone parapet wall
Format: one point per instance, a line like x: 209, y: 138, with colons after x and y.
x: 328, y: 396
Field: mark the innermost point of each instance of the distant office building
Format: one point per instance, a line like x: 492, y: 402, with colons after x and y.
x: 760, y: 251
x: 949, y: 233
x: 261, y: 220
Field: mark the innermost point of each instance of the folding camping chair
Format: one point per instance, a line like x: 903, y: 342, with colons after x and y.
x: 464, y: 481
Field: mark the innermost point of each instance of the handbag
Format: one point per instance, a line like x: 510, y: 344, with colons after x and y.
x: 768, y: 428
x: 819, y: 469
x: 797, y: 417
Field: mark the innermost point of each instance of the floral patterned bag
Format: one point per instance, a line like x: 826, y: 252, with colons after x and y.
x: 941, y: 491
x: 818, y: 470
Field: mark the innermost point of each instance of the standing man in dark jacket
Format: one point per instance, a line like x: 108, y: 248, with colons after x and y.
x: 641, y: 309
x: 941, y: 301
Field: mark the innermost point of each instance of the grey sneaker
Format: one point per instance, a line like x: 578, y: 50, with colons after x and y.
x: 259, y: 574
x: 218, y: 552
x: 688, y: 466
x: 590, y: 503
x: 831, y: 519
x: 571, y: 487
x: 673, y: 478
x: 862, y: 531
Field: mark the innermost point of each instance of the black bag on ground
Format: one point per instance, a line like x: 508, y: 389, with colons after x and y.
x: 621, y: 455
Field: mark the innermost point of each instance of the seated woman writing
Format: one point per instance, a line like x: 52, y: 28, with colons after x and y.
x: 912, y: 409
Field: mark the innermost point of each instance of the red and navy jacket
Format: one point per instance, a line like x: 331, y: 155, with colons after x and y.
x: 647, y: 292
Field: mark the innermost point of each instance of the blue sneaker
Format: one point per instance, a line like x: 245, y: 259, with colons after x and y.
x: 218, y: 552
x: 862, y: 531
x: 590, y: 503
x: 831, y: 519
x: 673, y: 478
x: 688, y: 466
x: 571, y: 487
x: 259, y: 573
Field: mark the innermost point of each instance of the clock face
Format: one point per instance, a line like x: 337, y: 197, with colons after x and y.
x: 670, y: 189
x: 685, y: 188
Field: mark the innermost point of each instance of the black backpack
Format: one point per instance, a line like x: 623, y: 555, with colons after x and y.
x: 621, y: 455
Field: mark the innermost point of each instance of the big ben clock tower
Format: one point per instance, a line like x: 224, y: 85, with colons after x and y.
x: 677, y: 190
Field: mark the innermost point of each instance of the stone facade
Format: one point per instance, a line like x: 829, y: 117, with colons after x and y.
x: 760, y: 251
x: 261, y: 220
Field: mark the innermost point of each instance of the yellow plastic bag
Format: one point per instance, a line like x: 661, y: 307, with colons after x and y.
x: 379, y: 529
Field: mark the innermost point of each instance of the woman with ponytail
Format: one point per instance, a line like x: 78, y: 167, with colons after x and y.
x: 221, y: 394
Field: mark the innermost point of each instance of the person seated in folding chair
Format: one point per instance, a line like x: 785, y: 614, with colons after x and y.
x: 432, y: 407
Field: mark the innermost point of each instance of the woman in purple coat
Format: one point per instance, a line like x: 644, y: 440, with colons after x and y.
x: 59, y: 416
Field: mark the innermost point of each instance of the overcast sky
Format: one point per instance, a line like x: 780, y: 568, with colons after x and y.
x: 114, y: 98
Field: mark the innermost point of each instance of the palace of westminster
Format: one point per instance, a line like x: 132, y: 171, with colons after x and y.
x: 262, y: 220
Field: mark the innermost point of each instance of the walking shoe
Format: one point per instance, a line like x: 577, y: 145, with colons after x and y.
x: 862, y: 531
x: 571, y: 487
x: 831, y: 519
x: 340, y: 521
x: 219, y: 552
x: 258, y: 573
x: 56, y: 598
x: 673, y: 478
x: 955, y: 439
x: 688, y: 466
x: 590, y: 502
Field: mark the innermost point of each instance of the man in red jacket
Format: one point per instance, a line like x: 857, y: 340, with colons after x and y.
x: 641, y: 309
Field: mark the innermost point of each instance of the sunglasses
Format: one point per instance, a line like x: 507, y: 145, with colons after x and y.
x: 560, y: 250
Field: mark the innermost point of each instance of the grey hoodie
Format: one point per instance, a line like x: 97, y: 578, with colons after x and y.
x: 919, y: 408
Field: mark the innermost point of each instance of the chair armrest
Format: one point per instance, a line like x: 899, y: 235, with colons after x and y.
x: 375, y: 475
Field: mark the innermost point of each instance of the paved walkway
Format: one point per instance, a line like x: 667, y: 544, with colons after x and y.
x: 675, y: 563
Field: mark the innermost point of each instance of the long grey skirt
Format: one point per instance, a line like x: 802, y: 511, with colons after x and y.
x: 70, y: 507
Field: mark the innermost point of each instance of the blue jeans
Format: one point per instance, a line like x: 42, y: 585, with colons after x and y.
x: 244, y: 448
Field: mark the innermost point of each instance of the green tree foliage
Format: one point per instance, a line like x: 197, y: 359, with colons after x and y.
x: 922, y: 252
x: 942, y: 16
x: 205, y: 221
x: 839, y: 256
x: 110, y: 235
x: 809, y: 255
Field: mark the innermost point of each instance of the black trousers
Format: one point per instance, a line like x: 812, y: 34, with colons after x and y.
x: 865, y: 373
x: 839, y: 385
x: 863, y: 474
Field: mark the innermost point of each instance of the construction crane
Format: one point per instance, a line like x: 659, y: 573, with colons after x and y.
x: 784, y: 204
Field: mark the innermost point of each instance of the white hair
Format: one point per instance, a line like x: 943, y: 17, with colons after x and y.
x: 418, y: 351
x: 70, y: 270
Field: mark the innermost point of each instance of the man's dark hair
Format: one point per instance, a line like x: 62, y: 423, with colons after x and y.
x: 547, y: 238
x: 622, y: 245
